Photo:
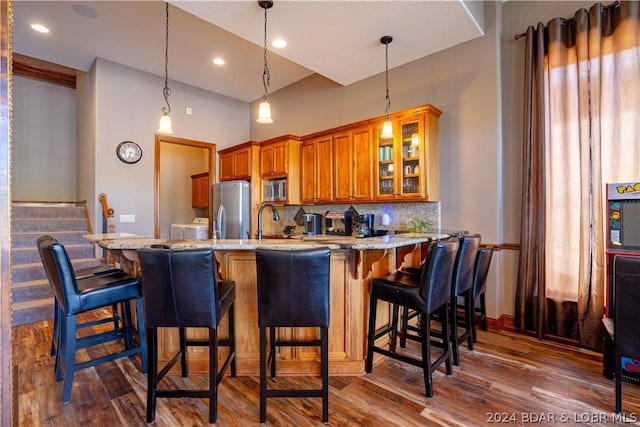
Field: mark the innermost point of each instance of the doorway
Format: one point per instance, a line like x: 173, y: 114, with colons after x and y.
x: 175, y: 160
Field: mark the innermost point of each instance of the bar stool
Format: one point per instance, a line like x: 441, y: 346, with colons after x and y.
x: 480, y: 273
x: 427, y: 294
x: 293, y: 292
x: 462, y: 286
x: 79, y: 296
x: 81, y: 273
x: 181, y: 291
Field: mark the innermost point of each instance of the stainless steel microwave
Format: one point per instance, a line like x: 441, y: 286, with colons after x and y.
x: 274, y: 190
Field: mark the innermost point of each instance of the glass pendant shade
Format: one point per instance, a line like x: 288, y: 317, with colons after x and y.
x: 387, y: 130
x: 165, y: 124
x: 264, y: 113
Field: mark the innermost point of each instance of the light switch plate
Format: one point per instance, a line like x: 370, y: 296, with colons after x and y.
x: 128, y: 218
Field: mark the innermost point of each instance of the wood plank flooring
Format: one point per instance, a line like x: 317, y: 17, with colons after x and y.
x: 507, y: 379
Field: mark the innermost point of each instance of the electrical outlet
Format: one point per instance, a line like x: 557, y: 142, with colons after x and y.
x: 128, y: 218
x: 188, y: 111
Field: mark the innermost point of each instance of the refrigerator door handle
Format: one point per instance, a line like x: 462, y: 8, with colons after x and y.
x: 222, y: 229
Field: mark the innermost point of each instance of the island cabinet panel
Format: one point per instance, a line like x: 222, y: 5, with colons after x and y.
x: 317, y: 170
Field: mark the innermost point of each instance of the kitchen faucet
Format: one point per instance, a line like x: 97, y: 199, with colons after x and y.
x: 276, y: 217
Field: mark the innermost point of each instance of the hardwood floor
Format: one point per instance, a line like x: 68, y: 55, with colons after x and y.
x: 508, y: 379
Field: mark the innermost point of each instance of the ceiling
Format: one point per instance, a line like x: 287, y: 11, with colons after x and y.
x: 339, y: 40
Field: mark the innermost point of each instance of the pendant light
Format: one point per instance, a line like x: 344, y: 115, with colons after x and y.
x: 387, y: 128
x: 264, y: 111
x: 165, y: 120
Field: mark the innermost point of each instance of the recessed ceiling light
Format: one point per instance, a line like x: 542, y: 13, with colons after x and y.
x: 218, y: 61
x: 40, y: 28
x: 279, y: 43
x: 85, y: 11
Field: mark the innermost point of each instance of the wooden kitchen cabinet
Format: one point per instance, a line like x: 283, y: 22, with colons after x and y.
x: 236, y: 162
x: 353, y: 165
x: 407, y: 164
x: 317, y: 170
x: 273, y: 159
x: 200, y: 190
x: 280, y: 158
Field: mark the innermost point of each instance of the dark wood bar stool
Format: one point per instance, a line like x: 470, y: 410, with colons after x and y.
x: 427, y: 294
x: 74, y: 297
x: 181, y: 291
x: 293, y: 292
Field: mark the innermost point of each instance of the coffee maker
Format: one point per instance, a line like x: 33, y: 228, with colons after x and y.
x: 312, y: 224
x: 338, y: 223
x: 363, y: 225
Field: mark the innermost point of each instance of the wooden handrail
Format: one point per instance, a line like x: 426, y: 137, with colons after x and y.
x: 107, y: 212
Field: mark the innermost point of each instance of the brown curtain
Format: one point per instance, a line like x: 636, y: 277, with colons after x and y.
x: 581, y: 130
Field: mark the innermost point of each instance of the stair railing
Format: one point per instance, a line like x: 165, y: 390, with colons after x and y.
x: 108, y: 219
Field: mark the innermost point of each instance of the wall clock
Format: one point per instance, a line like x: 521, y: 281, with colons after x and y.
x: 129, y: 152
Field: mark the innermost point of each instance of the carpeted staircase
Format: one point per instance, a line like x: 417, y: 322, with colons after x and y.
x: 32, y: 298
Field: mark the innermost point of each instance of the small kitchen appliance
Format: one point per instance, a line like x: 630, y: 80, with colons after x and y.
x: 312, y: 224
x: 338, y: 223
x: 363, y: 225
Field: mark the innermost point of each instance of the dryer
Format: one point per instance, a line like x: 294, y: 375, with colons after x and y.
x: 197, y: 230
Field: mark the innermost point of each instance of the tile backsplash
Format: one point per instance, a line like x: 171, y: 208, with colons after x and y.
x: 399, y: 214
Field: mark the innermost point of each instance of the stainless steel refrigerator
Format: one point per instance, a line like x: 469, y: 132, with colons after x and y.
x: 231, y: 209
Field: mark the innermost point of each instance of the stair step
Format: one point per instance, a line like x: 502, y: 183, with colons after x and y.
x: 35, y: 271
x: 30, y: 291
x: 32, y: 311
x: 31, y: 255
x: 20, y: 225
x: 47, y: 210
x: 28, y: 239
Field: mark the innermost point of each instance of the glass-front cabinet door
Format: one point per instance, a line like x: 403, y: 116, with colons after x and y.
x: 400, y: 160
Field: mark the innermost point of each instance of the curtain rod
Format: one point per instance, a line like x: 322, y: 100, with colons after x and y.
x: 614, y: 4
x: 518, y: 36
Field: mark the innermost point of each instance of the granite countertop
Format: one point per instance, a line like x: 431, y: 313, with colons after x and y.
x: 306, y: 242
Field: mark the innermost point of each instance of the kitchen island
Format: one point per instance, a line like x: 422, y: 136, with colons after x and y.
x: 354, y: 262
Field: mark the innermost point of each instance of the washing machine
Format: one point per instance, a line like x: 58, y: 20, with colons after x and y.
x: 197, y: 230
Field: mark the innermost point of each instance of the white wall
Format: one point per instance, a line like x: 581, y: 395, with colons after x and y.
x: 128, y: 106
x: 44, y: 141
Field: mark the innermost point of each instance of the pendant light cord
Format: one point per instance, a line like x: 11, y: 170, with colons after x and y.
x: 386, y: 67
x: 166, y: 92
x: 266, y: 76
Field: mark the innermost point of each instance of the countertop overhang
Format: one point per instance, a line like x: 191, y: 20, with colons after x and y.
x: 133, y: 242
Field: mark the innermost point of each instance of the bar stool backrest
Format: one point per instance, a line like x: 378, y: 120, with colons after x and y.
x: 435, y: 283
x: 293, y: 287
x: 179, y: 288
x: 481, y: 270
x: 60, y: 274
x: 465, y: 260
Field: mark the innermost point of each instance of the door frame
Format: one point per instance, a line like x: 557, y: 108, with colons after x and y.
x: 159, y: 138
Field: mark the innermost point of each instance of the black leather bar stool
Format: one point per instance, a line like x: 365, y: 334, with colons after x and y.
x: 427, y: 294
x: 181, y: 291
x: 79, y: 296
x: 293, y: 292
x: 480, y: 273
x: 80, y: 273
x: 462, y: 287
